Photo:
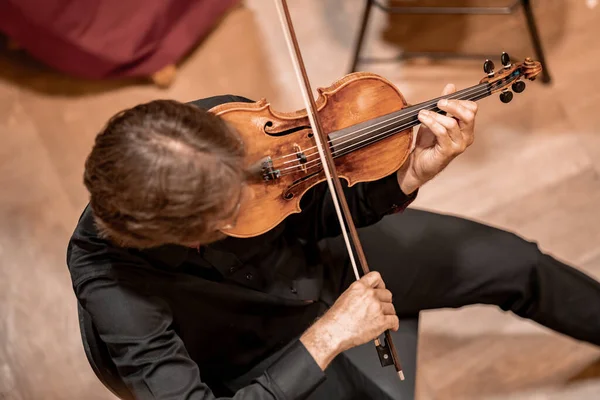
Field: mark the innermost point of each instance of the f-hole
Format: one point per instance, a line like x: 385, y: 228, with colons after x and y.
x: 268, y: 129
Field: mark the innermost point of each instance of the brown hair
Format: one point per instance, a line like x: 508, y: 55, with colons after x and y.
x: 161, y: 172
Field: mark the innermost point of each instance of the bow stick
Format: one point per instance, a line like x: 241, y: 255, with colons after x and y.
x: 388, y: 351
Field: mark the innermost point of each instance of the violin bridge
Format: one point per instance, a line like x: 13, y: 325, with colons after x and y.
x: 301, y: 157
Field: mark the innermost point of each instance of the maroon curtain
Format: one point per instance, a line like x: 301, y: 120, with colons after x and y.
x: 109, y: 38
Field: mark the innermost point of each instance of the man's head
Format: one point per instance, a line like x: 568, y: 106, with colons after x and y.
x: 164, y: 173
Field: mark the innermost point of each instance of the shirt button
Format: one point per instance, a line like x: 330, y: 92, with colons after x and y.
x: 248, y: 276
x: 294, y: 290
x: 232, y: 270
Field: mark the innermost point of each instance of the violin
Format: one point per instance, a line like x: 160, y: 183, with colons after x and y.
x: 359, y: 129
x: 368, y: 124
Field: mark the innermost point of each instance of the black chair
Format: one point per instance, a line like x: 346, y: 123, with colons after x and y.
x: 531, y: 24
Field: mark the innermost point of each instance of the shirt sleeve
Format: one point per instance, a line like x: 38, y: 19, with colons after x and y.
x: 368, y: 203
x: 152, y: 360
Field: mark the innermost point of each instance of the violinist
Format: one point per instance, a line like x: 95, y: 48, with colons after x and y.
x: 186, y: 312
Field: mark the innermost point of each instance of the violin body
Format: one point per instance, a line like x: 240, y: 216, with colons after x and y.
x: 281, y: 152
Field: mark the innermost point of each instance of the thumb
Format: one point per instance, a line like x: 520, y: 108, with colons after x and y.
x: 373, y: 279
x: 448, y: 89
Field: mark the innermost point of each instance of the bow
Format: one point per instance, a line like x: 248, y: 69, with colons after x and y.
x: 386, y: 352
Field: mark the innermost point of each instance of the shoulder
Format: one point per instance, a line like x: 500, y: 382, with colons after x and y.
x: 90, y: 255
x: 86, y: 231
x: 210, y: 102
x: 86, y: 250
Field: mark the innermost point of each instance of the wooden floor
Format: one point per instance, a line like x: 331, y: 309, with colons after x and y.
x: 534, y: 169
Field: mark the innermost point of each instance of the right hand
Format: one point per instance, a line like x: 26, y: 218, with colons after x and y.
x: 362, y: 313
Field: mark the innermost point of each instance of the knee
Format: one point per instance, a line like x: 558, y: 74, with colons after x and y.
x: 500, y: 265
x: 519, y: 246
x: 512, y: 256
x: 517, y: 273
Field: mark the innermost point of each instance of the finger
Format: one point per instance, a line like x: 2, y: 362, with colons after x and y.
x: 391, y: 322
x: 373, y: 279
x: 448, y: 89
x: 471, y: 105
x: 440, y: 132
x: 457, y: 108
x: 465, y: 112
x: 452, y: 128
x: 388, y: 309
x: 383, y: 295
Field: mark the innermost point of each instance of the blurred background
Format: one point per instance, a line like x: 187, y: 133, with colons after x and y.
x: 67, y: 66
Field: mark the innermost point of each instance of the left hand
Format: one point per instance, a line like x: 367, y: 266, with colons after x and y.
x: 440, y: 139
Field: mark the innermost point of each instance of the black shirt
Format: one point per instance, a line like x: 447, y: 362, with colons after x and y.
x: 178, y: 322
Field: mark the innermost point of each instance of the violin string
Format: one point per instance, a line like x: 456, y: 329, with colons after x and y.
x: 481, y: 94
x: 412, y: 118
x: 410, y: 115
x: 467, y: 92
x: 402, y: 127
x: 393, y: 120
x: 353, y: 147
x: 367, y: 141
x: 386, y: 134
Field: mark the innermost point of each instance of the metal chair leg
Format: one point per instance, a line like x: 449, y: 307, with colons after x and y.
x: 535, y: 38
x: 361, y: 35
x: 526, y: 4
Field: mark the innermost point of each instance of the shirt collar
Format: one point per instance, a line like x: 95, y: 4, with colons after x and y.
x: 170, y: 255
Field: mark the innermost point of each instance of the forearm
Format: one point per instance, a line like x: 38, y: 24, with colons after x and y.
x: 368, y: 203
x: 407, y: 182
x: 322, y: 345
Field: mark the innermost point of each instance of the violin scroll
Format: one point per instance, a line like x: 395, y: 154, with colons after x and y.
x: 531, y: 69
x: 510, y: 76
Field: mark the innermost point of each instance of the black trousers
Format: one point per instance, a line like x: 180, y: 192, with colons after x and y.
x: 432, y: 261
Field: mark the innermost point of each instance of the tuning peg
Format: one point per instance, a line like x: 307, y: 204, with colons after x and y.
x: 488, y: 67
x: 506, y: 97
x: 505, y: 58
x: 518, y: 87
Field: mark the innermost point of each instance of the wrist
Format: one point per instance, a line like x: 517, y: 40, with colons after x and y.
x: 321, y: 343
x: 408, y: 188
x: 407, y: 182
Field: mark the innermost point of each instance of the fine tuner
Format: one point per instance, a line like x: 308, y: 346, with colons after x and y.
x: 503, y: 75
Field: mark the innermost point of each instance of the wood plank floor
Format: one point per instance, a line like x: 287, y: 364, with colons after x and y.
x: 534, y: 169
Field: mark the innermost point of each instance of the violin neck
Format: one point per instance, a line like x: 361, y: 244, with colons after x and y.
x: 472, y: 93
x: 358, y: 136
